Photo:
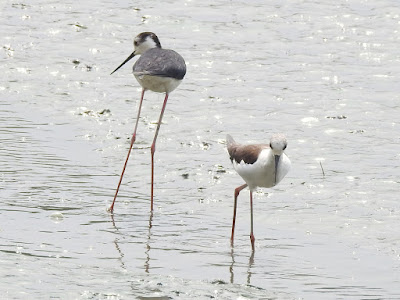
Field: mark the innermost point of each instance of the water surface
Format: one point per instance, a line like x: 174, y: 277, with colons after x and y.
x: 324, y: 74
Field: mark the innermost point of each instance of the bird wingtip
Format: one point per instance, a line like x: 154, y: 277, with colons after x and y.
x: 229, y: 139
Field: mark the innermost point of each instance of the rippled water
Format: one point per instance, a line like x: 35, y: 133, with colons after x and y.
x: 324, y: 74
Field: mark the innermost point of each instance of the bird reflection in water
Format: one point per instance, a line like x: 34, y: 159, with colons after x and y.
x: 121, y: 254
x: 147, y: 251
x: 249, y: 267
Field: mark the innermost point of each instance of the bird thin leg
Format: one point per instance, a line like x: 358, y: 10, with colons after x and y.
x: 251, y: 217
x: 153, y: 146
x: 237, y: 191
x: 129, y: 152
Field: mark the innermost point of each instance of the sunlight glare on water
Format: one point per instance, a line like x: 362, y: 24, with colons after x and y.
x: 325, y: 74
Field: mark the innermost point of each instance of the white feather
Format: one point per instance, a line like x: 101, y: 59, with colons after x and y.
x: 262, y: 172
x: 157, y: 84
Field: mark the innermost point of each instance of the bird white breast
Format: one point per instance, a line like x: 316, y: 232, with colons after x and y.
x: 157, y: 84
x: 283, y: 167
x: 262, y: 172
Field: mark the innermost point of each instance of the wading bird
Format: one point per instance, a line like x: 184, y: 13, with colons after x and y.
x: 158, y: 70
x: 260, y: 165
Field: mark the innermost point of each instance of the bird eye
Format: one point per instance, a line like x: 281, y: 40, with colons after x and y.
x: 135, y: 43
x: 284, y: 147
x: 270, y: 145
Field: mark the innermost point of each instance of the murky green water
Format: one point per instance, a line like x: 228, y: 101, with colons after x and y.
x: 324, y: 74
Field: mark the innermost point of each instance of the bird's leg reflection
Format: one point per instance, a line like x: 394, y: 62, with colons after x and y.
x: 113, y: 222
x: 231, y: 266
x: 251, y: 262
x: 121, y: 254
x: 250, y: 266
x: 147, y: 252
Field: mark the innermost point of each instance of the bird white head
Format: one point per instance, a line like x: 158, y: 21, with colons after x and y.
x: 142, y: 42
x: 278, y: 143
x: 145, y: 41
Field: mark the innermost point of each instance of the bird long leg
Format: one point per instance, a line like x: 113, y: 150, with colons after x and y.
x: 129, y: 152
x: 153, y: 146
x: 251, y: 218
x: 237, y: 191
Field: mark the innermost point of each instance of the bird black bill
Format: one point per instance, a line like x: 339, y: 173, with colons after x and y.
x: 125, y: 61
x: 276, y: 166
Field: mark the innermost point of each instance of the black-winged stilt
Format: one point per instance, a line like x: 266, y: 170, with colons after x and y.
x: 159, y: 70
x: 260, y: 165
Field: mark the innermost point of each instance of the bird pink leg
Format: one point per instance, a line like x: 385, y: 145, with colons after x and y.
x: 251, y: 217
x: 237, y: 191
x: 153, y: 146
x: 129, y: 152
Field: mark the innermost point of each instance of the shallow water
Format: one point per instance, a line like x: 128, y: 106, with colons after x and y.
x: 324, y: 74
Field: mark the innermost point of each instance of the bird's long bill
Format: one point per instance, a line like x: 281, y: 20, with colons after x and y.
x: 126, y: 60
x: 276, y: 166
